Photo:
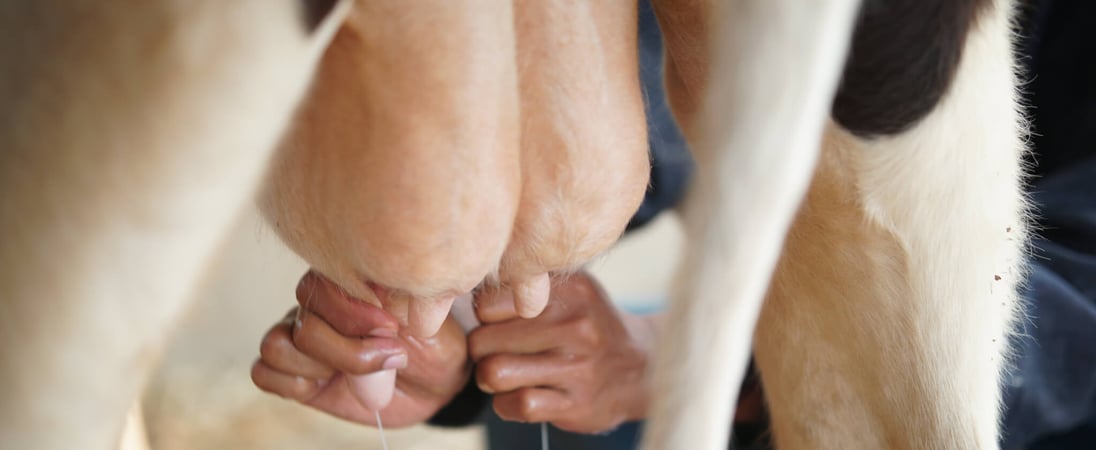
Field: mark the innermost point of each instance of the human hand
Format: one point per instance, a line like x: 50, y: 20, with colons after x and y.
x: 580, y: 364
x: 333, y: 353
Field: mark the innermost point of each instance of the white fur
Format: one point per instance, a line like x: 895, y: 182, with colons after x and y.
x: 886, y: 327
x: 950, y: 192
x: 775, y: 70
x: 131, y: 134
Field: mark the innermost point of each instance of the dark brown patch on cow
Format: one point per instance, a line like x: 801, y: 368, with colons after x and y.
x: 903, y: 57
x: 314, y: 11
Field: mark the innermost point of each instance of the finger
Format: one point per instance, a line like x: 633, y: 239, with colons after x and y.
x: 526, y: 298
x: 278, y: 351
x: 509, y: 372
x: 495, y: 304
x: 532, y: 405
x: 425, y: 316
x: 522, y: 336
x: 531, y: 295
x: 350, y: 316
x: 285, y: 385
x: 374, y: 390
x: 355, y: 356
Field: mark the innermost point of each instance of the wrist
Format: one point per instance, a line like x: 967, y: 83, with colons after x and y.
x: 644, y: 331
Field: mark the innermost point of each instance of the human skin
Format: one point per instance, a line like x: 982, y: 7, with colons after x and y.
x: 580, y: 351
x: 321, y: 350
x: 580, y: 365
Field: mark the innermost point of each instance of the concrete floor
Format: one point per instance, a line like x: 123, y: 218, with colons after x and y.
x: 202, y: 398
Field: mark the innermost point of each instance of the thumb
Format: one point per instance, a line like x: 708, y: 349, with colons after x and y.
x: 348, y: 315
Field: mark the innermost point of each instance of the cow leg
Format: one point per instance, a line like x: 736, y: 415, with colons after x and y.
x: 132, y: 135
x: 888, y: 317
x: 774, y: 71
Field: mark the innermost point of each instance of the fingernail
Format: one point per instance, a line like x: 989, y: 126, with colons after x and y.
x: 383, y: 333
x: 396, y: 362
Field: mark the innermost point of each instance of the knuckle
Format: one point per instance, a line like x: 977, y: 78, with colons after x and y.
x: 272, y: 344
x: 362, y: 362
x: 584, y: 370
x: 585, y: 332
x: 302, y: 388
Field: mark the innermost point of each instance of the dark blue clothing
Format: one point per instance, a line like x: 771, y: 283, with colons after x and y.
x: 1050, y: 397
x: 671, y: 164
x: 1051, y: 394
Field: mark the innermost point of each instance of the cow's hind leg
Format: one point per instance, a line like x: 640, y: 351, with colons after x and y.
x: 887, y: 321
x: 774, y: 71
x: 131, y: 135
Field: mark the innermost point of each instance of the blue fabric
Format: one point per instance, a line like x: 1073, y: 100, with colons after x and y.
x: 1050, y: 397
x: 671, y: 163
x: 502, y: 435
x: 1051, y: 394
